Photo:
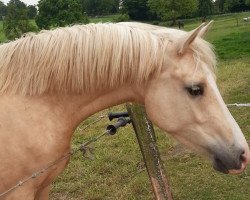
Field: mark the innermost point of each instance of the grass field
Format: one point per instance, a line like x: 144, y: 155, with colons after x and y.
x: 109, y: 18
x: 115, y: 172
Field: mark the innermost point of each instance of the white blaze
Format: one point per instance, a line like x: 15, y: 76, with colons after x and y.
x: 239, y: 139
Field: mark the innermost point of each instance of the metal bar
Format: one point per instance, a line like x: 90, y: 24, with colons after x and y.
x: 146, y: 138
x: 239, y: 105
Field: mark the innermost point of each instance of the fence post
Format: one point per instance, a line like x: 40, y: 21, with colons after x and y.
x: 146, y: 138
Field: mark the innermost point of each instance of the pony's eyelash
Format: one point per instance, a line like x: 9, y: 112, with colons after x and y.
x: 195, y: 90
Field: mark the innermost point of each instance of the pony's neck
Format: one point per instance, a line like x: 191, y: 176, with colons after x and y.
x: 45, y: 125
x: 56, y: 117
x: 86, y: 105
x: 77, y: 108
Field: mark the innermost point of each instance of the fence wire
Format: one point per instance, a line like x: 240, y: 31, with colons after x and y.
x: 239, y: 105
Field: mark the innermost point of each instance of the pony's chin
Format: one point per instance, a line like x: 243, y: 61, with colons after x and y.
x: 222, y: 168
x: 237, y: 171
x: 233, y: 171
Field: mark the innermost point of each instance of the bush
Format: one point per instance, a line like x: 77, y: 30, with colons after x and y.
x: 165, y: 24
x: 155, y: 23
x: 121, y: 18
x: 59, y: 13
x: 32, y: 27
x: 16, y: 28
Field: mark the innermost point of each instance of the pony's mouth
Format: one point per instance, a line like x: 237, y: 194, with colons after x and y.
x: 222, y: 167
x: 219, y: 166
x: 231, y: 161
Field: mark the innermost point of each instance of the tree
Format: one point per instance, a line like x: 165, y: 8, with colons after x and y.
x: 172, y: 9
x: 100, y: 7
x: 205, y: 7
x: 109, y: 6
x: 32, y: 12
x: 59, y: 13
x: 136, y: 9
x: 16, y: 22
x: 91, y: 7
x: 235, y: 5
x: 3, y: 10
x: 220, y: 5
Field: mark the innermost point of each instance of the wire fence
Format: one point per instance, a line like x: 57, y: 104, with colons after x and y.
x: 239, y: 105
x: 85, y: 147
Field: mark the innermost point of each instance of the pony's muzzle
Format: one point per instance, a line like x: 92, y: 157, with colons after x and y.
x: 245, y: 158
x: 231, y: 164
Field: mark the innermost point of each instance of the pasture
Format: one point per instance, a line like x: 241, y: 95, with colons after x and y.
x: 108, y: 18
x: 117, y: 170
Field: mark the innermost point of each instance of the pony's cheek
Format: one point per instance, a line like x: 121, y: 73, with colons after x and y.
x: 161, y: 110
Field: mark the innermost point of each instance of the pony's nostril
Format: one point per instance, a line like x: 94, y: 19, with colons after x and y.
x: 243, y: 157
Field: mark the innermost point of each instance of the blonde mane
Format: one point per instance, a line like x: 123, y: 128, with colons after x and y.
x: 84, y: 58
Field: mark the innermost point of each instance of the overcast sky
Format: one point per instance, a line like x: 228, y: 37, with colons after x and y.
x: 28, y: 2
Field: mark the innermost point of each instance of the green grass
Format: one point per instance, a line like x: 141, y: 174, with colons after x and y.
x: 230, y: 41
x: 109, y: 18
x: 234, y: 45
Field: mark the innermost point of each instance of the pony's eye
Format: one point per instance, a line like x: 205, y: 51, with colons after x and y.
x: 195, y: 90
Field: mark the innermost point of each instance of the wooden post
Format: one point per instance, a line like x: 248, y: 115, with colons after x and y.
x: 146, y: 138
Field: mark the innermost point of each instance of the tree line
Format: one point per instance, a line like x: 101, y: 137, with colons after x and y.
x: 30, y: 11
x: 173, y: 9
x: 17, y: 15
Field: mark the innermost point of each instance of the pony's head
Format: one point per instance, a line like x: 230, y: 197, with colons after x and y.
x: 184, y: 101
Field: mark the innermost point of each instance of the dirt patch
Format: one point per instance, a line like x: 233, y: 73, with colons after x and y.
x: 177, y: 150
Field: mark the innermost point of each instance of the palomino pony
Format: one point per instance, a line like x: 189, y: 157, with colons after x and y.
x: 51, y: 81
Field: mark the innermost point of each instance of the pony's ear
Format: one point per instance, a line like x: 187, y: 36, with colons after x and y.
x: 205, y: 29
x: 188, y: 38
